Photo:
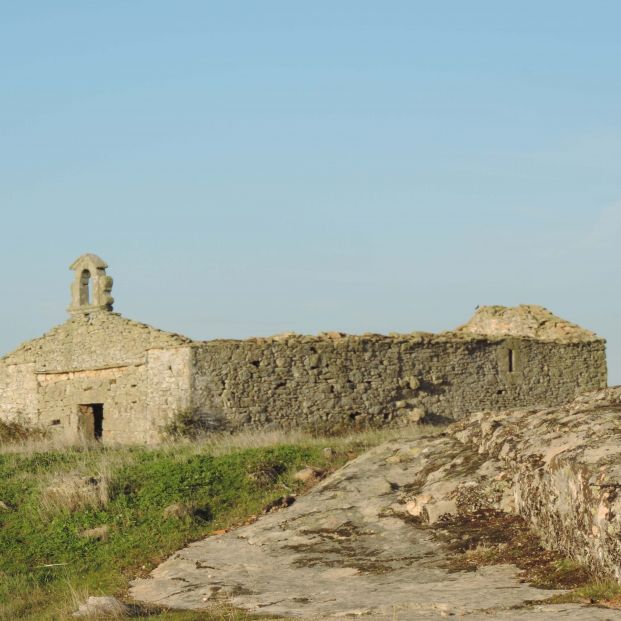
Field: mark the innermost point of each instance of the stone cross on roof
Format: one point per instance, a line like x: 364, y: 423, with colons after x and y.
x: 91, y: 288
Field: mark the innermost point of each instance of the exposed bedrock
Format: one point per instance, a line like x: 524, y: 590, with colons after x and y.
x: 372, y: 538
x: 562, y: 471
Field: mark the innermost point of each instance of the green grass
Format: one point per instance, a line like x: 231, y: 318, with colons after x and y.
x: 603, y: 592
x: 46, y: 565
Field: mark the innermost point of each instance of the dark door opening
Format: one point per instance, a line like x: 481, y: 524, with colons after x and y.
x: 98, y: 420
x: 90, y: 422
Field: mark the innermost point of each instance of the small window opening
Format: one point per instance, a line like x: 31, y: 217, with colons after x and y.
x: 511, y: 361
x: 85, y: 288
x: 56, y: 421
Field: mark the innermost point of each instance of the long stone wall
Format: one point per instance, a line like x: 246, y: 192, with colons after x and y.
x: 336, y: 380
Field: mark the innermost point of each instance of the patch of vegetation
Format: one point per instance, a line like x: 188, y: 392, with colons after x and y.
x: 53, y: 498
x: 83, y: 521
x: 605, y: 593
x: 190, y: 424
x: 16, y: 431
x: 489, y: 537
x: 329, y: 429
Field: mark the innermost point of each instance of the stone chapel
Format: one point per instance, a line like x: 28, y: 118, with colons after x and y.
x: 103, y: 377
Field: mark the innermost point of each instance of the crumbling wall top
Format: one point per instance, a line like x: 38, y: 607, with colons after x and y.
x: 525, y: 320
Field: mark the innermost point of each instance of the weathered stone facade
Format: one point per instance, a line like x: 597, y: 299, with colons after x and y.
x: 97, y: 358
x: 122, y: 381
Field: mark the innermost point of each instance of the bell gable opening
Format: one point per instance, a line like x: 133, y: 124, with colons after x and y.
x: 85, y: 288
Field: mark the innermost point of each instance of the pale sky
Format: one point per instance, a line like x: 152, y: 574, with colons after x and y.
x: 249, y: 168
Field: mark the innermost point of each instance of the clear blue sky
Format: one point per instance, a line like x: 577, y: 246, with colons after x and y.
x: 248, y: 168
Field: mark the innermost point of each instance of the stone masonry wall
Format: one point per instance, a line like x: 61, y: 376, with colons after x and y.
x: 122, y: 391
x: 18, y: 393
x: 101, y: 358
x: 336, y: 380
x: 168, y: 388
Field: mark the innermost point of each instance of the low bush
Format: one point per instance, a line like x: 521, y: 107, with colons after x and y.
x: 189, y: 424
x: 16, y: 431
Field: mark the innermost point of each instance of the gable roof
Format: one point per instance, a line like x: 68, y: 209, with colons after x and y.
x: 87, y: 341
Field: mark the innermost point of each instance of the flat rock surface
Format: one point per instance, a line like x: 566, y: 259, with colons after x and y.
x: 352, y: 548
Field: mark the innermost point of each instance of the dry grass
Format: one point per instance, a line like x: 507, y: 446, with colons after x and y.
x: 73, y: 491
x: 31, y: 444
x: 86, y: 486
x: 603, y: 593
x: 223, y: 443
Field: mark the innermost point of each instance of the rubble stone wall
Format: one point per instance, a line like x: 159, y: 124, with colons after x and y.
x: 121, y: 390
x: 323, y: 382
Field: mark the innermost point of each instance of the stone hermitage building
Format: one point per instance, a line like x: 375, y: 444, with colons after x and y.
x: 106, y: 377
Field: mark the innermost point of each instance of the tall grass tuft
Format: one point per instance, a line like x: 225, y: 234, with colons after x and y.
x: 73, y: 491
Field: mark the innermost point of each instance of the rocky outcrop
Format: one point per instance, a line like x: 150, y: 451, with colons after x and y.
x: 380, y: 537
x: 561, y: 469
x: 102, y: 607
